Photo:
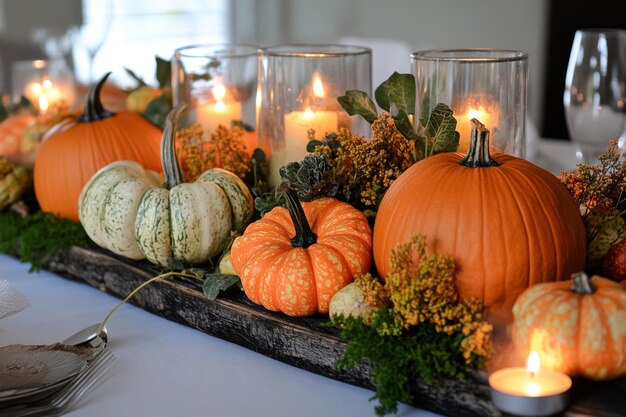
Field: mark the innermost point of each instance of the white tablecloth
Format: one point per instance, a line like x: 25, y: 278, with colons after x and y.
x: 166, y: 369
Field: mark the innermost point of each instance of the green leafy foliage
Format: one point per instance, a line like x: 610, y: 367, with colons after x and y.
x: 358, y: 102
x: 39, y: 235
x: 157, y: 110
x: 440, y: 133
x: 163, y: 72
x: 436, y: 132
x: 397, y: 360
x: 268, y: 201
x: 134, y: 76
x: 398, y: 90
x: 404, y: 126
x: 215, y: 283
x: 311, y: 178
x: 265, y: 198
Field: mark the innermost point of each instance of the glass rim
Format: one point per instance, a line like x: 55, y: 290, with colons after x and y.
x: 228, y: 50
x: 612, y: 32
x: 472, y: 55
x: 310, y: 50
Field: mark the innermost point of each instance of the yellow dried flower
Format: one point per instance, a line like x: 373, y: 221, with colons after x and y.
x: 370, y: 166
x: 421, y: 289
x: 199, y: 150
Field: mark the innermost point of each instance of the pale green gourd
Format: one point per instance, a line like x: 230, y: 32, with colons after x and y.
x: 125, y: 209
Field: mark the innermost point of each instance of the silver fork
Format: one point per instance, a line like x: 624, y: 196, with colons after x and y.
x: 73, y: 392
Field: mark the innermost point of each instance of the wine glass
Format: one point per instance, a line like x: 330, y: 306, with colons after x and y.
x: 97, y: 18
x: 595, y: 91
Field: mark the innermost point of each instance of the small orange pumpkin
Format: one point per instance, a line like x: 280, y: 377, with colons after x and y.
x: 74, y: 151
x: 508, y: 223
x: 12, y: 137
x: 299, y: 274
x: 577, y: 326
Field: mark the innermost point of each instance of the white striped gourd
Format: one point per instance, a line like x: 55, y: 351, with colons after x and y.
x: 125, y: 209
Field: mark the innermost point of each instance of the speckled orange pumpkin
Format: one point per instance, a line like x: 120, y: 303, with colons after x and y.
x: 299, y: 274
x: 577, y: 326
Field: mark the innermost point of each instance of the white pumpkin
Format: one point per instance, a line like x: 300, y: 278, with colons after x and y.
x: 349, y: 301
x: 125, y: 209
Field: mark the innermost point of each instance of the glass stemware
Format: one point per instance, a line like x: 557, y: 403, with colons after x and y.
x: 97, y: 18
x: 595, y: 91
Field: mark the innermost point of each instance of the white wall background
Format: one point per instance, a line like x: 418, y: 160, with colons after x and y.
x: 411, y: 24
x: 419, y: 24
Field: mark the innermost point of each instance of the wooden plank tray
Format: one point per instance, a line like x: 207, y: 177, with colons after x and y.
x: 303, y: 343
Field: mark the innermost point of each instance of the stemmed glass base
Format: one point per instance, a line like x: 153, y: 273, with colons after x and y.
x: 586, y: 154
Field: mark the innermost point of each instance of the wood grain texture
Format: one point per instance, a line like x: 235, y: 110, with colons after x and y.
x: 301, y: 342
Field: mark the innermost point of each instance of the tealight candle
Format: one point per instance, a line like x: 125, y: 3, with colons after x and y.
x: 530, y: 391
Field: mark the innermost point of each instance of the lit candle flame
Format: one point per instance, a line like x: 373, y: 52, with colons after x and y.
x: 318, y: 87
x: 36, y: 89
x: 258, y: 98
x: 474, y: 114
x: 43, y: 103
x: 219, y: 91
x: 308, y: 113
x: 47, y: 84
x: 533, y: 364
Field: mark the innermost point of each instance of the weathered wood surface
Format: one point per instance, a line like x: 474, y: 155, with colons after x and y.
x: 303, y: 343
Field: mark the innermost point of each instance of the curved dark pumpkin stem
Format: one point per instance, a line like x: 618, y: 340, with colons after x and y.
x: 171, y: 167
x: 93, y: 106
x: 581, y: 284
x: 304, y: 237
x: 478, y: 153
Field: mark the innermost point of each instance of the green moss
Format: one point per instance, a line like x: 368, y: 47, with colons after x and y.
x: 400, y: 360
x: 39, y: 235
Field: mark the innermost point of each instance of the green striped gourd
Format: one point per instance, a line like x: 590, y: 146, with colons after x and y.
x: 124, y: 208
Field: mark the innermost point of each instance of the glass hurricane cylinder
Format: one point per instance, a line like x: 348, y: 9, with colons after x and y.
x: 487, y: 84
x: 218, y: 83
x: 47, y: 84
x: 299, y: 89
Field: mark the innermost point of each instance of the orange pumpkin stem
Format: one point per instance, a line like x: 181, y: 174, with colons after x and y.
x: 478, y: 153
x: 304, y: 237
x: 171, y: 167
x: 581, y: 284
x: 93, y: 106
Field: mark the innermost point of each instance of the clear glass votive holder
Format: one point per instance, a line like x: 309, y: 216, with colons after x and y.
x: 299, y: 89
x: 47, y: 84
x: 218, y: 83
x: 487, y: 84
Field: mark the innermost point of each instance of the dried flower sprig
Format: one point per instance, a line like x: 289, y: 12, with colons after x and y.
x: 418, y: 327
x: 600, y: 192
x: 199, y: 150
x: 421, y: 289
x: 367, y: 168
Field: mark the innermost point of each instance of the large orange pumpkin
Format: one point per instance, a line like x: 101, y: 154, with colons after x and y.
x: 299, y: 274
x: 578, y: 326
x: 508, y: 223
x: 74, y: 151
